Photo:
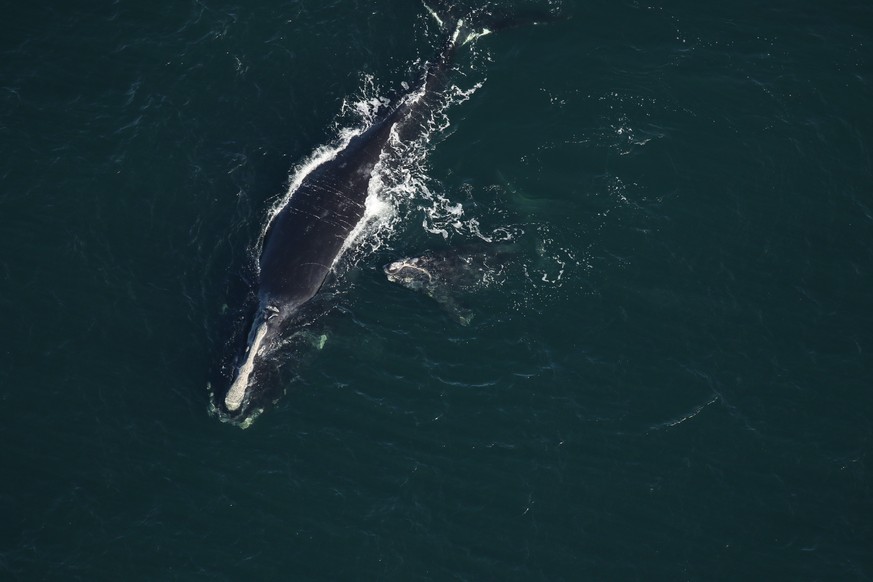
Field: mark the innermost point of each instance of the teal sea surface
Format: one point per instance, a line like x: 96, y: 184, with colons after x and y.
x: 672, y: 379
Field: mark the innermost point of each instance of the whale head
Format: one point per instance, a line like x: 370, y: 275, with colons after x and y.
x: 249, y: 387
x: 411, y: 273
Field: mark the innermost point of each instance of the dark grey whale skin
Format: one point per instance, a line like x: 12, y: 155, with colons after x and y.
x: 307, y: 235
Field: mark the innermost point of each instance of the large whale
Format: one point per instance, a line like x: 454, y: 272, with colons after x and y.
x: 305, y: 238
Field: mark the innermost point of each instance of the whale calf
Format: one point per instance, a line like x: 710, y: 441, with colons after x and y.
x: 443, y: 275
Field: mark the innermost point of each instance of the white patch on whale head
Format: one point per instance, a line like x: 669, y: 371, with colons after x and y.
x: 237, y: 391
x: 407, y: 271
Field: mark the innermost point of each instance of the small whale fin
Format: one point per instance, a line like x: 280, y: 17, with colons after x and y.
x: 316, y: 340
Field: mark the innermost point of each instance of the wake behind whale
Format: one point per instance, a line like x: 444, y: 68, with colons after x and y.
x: 325, y: 210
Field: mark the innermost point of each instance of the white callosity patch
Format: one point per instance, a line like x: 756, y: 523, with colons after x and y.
x: 237, y: 391
x: 398, y: 271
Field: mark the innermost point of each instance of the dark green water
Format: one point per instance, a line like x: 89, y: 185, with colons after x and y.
x: 674, y: 384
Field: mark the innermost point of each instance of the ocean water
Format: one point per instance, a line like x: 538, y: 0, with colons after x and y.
x: 671, y: 380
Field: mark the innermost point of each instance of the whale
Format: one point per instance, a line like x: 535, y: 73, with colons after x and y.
x: 305, y: 238
x: 445, y: 274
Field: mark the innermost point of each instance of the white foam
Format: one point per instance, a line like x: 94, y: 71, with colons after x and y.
x: 476, y: 35
x: 433, y: 13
